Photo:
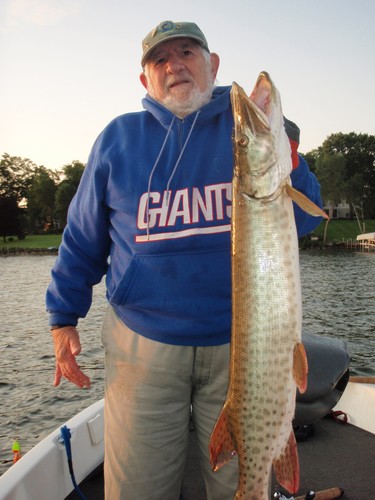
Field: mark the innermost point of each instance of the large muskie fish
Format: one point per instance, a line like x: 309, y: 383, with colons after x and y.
x: 268, y: 359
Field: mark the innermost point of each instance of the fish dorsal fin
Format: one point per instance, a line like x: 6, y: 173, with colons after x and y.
x: 221, y: 444
x: 300, y: 367
x: 286, y: 466
x: 303, y: 202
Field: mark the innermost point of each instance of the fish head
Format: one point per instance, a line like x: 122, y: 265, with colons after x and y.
x: 262, y: 160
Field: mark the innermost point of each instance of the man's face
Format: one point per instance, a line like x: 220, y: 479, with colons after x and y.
x: 180, y: 75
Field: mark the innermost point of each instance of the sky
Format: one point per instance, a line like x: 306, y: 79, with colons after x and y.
x: 68, y: 67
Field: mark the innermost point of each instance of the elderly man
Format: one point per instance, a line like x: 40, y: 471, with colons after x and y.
x: 152, y: 212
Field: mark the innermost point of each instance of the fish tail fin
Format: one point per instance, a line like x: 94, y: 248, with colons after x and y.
x: 300, y: 367
x: 286, y: 466
x: 221, y: 446
x: 303, y: 202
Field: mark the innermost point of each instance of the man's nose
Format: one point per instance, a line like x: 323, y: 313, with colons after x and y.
x: 175, y: 64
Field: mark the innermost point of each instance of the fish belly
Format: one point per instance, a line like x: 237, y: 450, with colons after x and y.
x: 266, y: 325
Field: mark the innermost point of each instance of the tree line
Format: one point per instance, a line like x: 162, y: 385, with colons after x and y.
x: 345, y: 167
x: 35, y: 199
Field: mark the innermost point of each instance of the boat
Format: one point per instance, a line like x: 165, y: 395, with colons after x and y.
x: 366, y: 241
x: 337, y: 449
x: 43, y: 472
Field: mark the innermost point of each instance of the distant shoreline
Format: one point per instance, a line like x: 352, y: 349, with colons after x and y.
x: 14, y: 251
x: 340, y: 234
x: 26, y: 252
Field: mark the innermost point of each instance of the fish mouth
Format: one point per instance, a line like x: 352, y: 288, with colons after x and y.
x: 255, y: 122
x: 251, y: 130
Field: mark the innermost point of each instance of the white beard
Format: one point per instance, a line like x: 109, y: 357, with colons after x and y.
x: 182, y: 104
x: 181, y: 101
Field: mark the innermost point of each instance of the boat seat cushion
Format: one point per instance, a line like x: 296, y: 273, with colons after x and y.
x: 328, y: 361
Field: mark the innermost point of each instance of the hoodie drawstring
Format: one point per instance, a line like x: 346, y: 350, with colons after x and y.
x: 182, y: 151
x: 174, y: 168
x: 152, y: 174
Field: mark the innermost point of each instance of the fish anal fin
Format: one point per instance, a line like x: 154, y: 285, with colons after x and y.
x: 221, y: 446
x: 286, y: 466
x: 300, y: 367
x: 303, y: 202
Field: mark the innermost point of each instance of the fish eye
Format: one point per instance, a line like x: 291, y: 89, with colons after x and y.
x: 243, y: 140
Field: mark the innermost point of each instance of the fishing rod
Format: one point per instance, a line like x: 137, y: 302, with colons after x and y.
x: 328, y: 494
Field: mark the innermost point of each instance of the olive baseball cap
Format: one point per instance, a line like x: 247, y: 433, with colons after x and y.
x: 167, y: 30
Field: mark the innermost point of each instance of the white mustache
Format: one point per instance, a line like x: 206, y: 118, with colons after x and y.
x: 172, y: 80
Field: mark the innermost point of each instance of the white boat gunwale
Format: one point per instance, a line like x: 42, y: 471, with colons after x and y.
x: 48, y: 458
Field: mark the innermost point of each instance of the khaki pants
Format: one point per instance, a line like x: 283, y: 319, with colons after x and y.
x: 151, y: 388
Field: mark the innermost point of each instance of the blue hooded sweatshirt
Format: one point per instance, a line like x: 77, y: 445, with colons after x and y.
x: 152, y: 212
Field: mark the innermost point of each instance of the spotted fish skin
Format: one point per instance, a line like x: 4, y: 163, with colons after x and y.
x: 268, y: 361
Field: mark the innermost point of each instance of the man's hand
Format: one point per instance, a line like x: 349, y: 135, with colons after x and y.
x: 67, y: 347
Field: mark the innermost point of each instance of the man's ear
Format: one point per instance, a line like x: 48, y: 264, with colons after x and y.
x: 215, y: 62
x: 143, y: 79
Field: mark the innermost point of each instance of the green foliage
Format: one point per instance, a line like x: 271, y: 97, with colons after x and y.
x: 73, y: 173
x: 330, y: 169
x: 45, y: 193
x: 67, y: 189
x: 41, y: 200
x: 342, y: 229
x: 353, y: 155
x: 15, y: 176
x: 33, y: 241
x: 311, y: 157
x: 64, y: 195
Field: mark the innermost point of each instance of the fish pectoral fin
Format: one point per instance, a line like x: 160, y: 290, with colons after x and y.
x: 286, y: 466
x: 305, y: 203
x: 300, y: 367
x: 221, y: 446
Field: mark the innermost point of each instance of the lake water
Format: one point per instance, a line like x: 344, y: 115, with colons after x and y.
x: 338, y: 299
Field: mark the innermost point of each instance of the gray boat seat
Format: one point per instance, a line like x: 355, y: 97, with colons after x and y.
x: 328, y: 362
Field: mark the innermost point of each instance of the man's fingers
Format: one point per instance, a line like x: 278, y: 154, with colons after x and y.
x: 75, y: 345
x: 80, y: 379
x: 57, y: 380
x: 72, y: 372
x: 67, y: 347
